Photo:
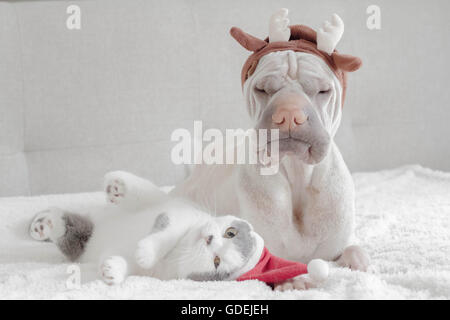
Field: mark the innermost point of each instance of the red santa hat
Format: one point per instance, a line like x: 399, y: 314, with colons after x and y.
x: 271, y: 269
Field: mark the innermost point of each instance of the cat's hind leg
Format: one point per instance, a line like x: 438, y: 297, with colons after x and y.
x: 130, y: 191
x: 115, y: 188
x: 69, y: 231
x: 113, y: 270
x: 167, y: 230
x: 47, y: 225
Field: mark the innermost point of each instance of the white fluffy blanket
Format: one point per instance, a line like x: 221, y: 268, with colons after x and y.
x: 403, y: 220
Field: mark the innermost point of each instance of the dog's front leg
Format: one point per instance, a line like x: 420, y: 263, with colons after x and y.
x: 355, y: 258
x: 266, y: 202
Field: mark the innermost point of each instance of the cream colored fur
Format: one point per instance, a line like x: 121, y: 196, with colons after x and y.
x: 306, y: 211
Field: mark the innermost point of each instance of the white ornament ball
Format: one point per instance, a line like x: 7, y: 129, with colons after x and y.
x: 318, y: 269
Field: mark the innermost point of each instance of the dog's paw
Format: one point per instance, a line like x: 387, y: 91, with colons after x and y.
x: 355, y: 258
x: 115, y: 188
x: 146, y: 254
x: 302, y: 282
x: 47, y: 225
x: 113, y: 270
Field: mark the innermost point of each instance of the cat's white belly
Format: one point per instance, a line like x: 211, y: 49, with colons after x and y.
x: 117, y: 233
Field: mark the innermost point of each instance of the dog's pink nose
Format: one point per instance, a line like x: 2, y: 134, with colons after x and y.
x: 288, y: 116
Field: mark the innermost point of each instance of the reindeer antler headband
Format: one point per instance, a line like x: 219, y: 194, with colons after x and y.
x: 299, y: 38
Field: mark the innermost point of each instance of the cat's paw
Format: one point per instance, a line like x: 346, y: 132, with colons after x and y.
x: 113, y: 270
x: 146, y: 254
x: 47, y: 225
x: 115, y: 188
x: 302, y: 282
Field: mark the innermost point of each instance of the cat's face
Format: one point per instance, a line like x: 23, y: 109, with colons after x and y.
x: 222, y: 248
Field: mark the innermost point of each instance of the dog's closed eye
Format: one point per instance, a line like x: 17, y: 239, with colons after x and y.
x: 260, y: 90
x: 324, y: 91
x: 268, y: 85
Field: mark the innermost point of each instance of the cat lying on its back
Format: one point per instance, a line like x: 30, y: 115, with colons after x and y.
x: 152, y: 234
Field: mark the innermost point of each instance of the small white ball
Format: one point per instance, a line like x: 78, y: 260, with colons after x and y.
x: 318, y: 269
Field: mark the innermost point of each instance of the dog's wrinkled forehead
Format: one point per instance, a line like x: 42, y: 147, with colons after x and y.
x: 281, y: 72
x: 283, y: 68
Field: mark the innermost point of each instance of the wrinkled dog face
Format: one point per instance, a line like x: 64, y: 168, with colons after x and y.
x: 298, y: 94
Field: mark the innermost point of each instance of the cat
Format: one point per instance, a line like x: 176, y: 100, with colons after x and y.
x: 147, y: 232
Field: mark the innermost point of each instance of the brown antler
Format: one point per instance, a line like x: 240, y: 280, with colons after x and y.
x: 246, y: 40
x: 346, y: 62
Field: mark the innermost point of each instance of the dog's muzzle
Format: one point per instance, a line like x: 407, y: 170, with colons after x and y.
x: 301, y: 132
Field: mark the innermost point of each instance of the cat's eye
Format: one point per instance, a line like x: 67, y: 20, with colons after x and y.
x: 230, y: 232
x: 216, y: 262
x: 324, y: 91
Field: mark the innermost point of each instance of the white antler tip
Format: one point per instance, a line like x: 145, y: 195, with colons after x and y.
x: 282, y: 11
x: 279, y: 26
x: 329, y: 35
x: 337, y: 20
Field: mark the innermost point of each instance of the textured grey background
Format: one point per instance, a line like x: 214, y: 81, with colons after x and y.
x: 75, y: 104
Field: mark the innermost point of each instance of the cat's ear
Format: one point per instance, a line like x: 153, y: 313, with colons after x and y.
x: 249, y: 225
x: 242, y: 221
x: 346, y: 62
x: 246, y: 40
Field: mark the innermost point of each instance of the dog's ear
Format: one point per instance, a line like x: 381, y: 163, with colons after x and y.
x: 246, y: 40
x: 346, y: 62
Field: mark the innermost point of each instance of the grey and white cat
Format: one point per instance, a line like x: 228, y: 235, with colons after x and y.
x: 146, y: 232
